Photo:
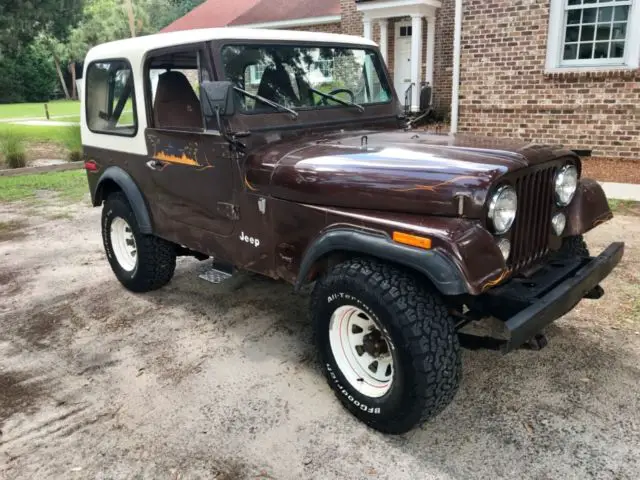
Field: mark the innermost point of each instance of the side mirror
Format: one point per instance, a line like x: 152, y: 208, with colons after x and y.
x: 217, y: 98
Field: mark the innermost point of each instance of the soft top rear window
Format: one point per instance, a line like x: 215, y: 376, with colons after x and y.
x: 110, y: 98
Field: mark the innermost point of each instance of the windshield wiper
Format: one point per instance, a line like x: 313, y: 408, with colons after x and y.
x: 339, y: 100
x: 277, y: 106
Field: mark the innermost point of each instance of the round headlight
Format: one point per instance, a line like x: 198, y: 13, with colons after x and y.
x: 505, y: 248
x: 502, y: 209
x: 566, y: 184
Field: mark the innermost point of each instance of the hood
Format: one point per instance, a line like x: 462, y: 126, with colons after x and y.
x: 411, y: 172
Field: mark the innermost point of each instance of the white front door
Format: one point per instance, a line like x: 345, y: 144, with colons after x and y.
x: 402, y: 59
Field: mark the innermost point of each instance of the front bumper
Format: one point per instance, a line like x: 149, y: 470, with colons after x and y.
x: 527, y: 305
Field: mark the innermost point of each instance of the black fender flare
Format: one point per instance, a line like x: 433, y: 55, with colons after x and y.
x: 132, y: 192
x: 434, y: 264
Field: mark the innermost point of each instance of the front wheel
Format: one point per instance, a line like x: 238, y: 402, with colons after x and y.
x: 387, y: 344
x: 140, y: 262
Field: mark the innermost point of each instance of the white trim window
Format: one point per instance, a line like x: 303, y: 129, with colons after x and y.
x: 255, y: 73
x: 593, y: 34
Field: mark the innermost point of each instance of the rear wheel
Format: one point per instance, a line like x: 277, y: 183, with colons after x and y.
x: 140, y: 262
x: 387, y: 344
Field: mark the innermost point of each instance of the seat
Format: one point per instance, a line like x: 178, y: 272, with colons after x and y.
x: 176, y: 105
x: 275, y: 85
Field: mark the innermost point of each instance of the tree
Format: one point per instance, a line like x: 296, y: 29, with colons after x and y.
x: 21, y: 21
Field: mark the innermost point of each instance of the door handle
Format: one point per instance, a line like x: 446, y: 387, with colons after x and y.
x: 155, y: 164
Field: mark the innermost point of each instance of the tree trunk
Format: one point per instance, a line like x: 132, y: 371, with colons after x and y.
x: 61, y: 76
x: 132, y: 18
x: 72, y: 69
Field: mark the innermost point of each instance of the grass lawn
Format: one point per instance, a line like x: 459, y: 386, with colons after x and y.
x: 36, y: 110
x: 70, y: 185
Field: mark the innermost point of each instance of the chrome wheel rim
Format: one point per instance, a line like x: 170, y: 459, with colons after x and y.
x: 362, y: 351
x: 124, y: 244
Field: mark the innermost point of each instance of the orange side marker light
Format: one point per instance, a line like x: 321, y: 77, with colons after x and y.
x: 413, y: 240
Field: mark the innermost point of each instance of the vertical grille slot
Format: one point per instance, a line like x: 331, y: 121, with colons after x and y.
x: 530, y: 240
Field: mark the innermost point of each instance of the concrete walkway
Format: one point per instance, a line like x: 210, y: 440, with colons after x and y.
x: 46, y: 123
x: 621, y: 191
x: 27, y: 119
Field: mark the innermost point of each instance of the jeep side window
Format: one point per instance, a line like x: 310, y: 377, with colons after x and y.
x: 110, y: 98
x: 175, y: 80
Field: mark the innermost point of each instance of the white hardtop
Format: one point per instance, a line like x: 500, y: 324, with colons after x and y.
x: 139, y: 46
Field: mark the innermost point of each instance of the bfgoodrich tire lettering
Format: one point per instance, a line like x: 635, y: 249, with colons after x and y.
x: 156, y: 258
x: 426, y: 352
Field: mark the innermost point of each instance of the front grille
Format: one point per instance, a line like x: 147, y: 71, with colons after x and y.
x: 532, y: 227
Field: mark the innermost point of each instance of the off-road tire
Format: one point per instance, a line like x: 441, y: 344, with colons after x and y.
x: 427, y: 361
x: 156, y: 258
x: 574, y: 246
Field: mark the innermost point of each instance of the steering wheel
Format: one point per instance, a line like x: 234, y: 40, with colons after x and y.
x: 339, y: 90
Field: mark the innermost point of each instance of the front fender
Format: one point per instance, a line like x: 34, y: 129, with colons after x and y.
x: 588, y: 209
x: 442, y: 272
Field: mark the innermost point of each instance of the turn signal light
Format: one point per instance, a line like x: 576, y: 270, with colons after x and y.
x: 91, y: 166
x: 413, y: 240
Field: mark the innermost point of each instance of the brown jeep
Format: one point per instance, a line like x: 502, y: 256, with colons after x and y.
x: 287, y: 154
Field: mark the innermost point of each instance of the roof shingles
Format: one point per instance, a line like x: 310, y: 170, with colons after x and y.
x: 222, y: 13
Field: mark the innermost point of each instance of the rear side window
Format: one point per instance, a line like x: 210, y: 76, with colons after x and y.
x: 110, y: 98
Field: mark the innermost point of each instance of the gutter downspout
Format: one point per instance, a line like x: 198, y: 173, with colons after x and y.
x: 455, y: 87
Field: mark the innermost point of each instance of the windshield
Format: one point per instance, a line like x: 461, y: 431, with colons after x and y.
x: 305, y: 77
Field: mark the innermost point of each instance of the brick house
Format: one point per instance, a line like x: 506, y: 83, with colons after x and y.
x: 563, y: 71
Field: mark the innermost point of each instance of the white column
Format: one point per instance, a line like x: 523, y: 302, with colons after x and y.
x: 368, y: 29
x: 416, y: 59
x: 384, y: 38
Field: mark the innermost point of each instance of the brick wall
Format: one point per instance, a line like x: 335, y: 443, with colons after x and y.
x: 443, y: 68
x: 326, y: 28
x: 505, y: 92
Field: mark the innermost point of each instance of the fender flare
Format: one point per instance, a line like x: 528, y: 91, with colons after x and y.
x: 436, y: 265
x: 131, y: 191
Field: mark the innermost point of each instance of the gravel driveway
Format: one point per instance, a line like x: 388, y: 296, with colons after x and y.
x: 204, y: 381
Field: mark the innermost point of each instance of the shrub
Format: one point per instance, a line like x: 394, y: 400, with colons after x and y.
x: 72, y: 141
x: 13, y: 151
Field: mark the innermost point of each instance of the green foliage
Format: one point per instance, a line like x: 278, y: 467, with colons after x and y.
x: 30, y: 77
x: 35, y: 32
x: 12, y: 147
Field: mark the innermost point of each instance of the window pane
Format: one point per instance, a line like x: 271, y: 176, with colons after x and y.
x: 604, y: 14
x: 619, y: 31
x: 585, y: 51
x: 409, y: 31
x: 601, y: 50
x: 590, y: 1
x: 587, y: 33
x: 603, y: 32
x: 572, y: 34
x: 589, y: 15
x: 298, y: 76
x: 574, y: 2
x: 617, y: 50
x: 570, y: 52
x: 621, y: 13
x: 573, y: 17
x: 109, y: 98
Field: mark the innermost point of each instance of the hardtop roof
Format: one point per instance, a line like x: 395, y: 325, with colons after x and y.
x: 139, y: 46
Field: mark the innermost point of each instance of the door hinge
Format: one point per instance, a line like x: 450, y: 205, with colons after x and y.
x: 229, y: 210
